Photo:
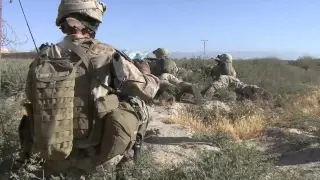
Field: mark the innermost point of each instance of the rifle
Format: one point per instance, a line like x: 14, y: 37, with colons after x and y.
x: 151, y: 59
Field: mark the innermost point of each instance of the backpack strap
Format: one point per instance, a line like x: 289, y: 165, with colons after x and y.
x: 80, y: 52
x: 86, y: 60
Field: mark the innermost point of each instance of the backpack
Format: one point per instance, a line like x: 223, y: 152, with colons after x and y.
x: 53, y: 105
x: 222, y: 69
x: 163, y: 65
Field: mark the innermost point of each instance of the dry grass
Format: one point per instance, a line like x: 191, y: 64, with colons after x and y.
x: 243, y: 128
x: 246, y: 121
x: 309, y: 103
x: 241, y: 123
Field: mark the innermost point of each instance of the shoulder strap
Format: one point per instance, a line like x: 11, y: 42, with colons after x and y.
x: 79, y: 51
x: 124, y: 55
x: 83, y: 55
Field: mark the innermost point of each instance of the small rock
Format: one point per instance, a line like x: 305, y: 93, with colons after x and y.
x: 295, y: 131
x: 217, y: 105
x: 208, y: 148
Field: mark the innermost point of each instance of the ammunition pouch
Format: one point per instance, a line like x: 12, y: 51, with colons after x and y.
x: 142, y: 112
x: 103, y: 106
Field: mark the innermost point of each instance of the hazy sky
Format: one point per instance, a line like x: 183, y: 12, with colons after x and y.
x: 179, y: 25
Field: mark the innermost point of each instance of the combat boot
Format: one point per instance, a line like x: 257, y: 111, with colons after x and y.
x: 197, y: 95
x: 205, y: 90
x: 209, y: 91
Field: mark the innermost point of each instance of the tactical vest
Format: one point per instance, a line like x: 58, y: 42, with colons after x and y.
x: 63, y: 112
x: 224, y: 68
x: 168, y: 66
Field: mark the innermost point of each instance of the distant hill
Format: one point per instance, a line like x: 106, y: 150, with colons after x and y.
x: 240, y: 54
x: 243, y: 54
x: 5, y: 50
x: 19, y: 55
x: 180, y: 55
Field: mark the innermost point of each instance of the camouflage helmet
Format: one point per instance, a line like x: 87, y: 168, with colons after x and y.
x: 90, y: 8
x: 160, y: 52
x: 226, y: 58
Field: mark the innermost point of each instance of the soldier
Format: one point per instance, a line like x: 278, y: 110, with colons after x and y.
x: 86, y: 105
x: 168, y: 65
x: 223, y: 67
x: 162, y: 64
x: 166, y: 69
x: 224, y: 76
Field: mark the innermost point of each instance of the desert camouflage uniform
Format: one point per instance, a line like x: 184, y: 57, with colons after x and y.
x: 184, y: 73
x: 118, y: 126
x: 166, y: 74
x: 224, y: 76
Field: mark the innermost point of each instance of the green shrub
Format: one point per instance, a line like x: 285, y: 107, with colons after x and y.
x: 13, y: 75
x: 277, y: 76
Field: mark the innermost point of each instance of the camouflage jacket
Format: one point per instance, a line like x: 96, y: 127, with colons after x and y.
x: 136, y: 83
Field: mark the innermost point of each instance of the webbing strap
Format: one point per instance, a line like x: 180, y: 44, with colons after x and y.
x: 51, y: 95
x: 79, y: 51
